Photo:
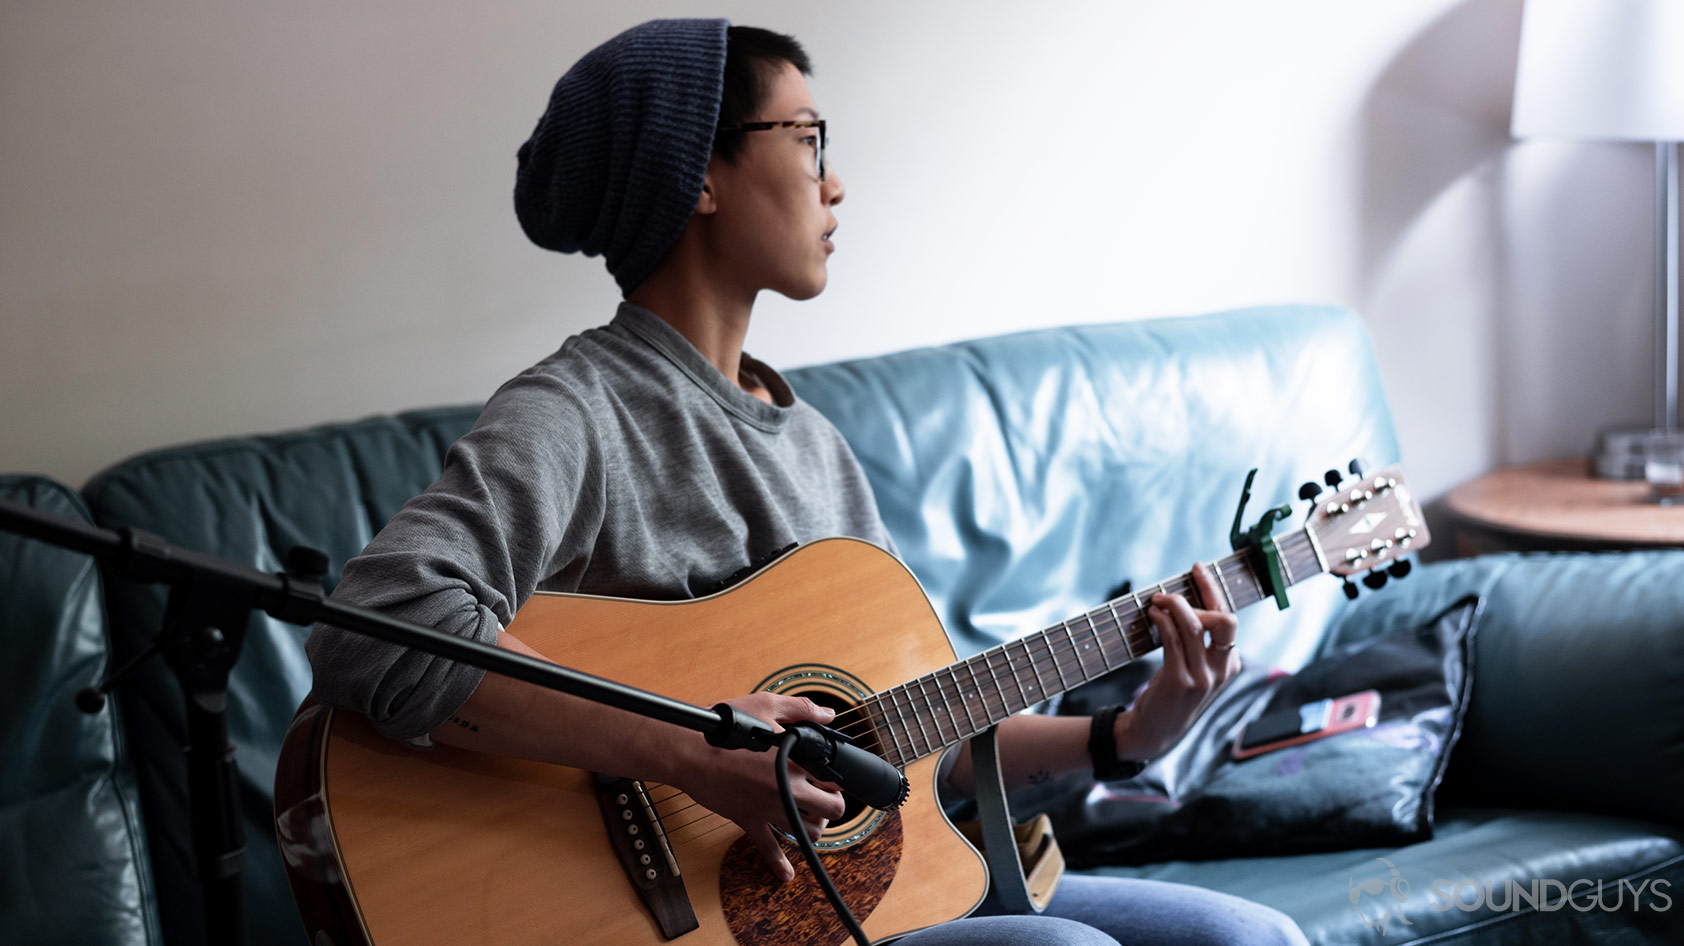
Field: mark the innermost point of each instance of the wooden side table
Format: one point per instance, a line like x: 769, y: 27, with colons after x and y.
x: 1557, y: 504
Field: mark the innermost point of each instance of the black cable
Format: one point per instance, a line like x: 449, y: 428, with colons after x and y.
x: 799, y: 830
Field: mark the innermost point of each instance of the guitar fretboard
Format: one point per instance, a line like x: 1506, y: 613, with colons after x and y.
x: 964, y: 699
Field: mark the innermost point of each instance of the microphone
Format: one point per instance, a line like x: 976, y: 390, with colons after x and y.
x: 833, y: 757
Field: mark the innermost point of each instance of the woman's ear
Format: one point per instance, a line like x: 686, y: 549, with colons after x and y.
x: 708, y: 202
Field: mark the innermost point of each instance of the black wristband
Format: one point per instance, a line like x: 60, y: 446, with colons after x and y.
x: 1102, y: 747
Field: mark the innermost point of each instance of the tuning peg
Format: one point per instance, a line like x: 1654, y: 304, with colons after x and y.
x: 1356, y: 468
x: 1375, y: 579
x: 1399, y: 568
x: 1332, y: 478
x: 1350, y: 590
x: 1309, y: 490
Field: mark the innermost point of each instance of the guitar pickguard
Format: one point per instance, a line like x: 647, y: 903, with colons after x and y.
x: 763, y: 912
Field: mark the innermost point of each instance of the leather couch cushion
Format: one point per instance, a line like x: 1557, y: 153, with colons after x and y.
x: 1579, y: 699
x: 71, y: 839
x: 250, y: 500
x: 1025, y: 478
x: 1323, y: 892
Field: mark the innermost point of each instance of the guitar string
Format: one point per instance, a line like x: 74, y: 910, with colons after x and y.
x: 1051, y: 649
x: 1054, y: 651
x: 689, y: 844
x: 1045, y: 651
x: 690, y: 841
x: 706, y: 814
x: 656, y: 803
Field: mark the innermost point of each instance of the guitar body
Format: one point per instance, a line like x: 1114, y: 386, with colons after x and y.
x: 385, y: 844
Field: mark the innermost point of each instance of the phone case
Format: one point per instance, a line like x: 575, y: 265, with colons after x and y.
x: 1314, y: 721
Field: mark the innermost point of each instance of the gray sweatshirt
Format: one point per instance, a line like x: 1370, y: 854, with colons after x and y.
x: 625, y: 465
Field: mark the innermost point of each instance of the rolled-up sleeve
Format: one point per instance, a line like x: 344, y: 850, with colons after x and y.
x: 521, y: 496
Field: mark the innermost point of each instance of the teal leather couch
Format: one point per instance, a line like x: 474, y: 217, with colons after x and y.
x: 1024, y: 479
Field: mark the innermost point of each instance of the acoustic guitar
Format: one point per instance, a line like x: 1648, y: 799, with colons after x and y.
x: 387, y: 845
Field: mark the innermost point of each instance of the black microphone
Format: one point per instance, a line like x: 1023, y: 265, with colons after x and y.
x: 833, y: 757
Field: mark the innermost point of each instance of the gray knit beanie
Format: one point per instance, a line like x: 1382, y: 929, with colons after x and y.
x: 615, y: 165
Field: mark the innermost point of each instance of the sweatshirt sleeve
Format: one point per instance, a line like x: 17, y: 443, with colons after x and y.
x: 521, y: 496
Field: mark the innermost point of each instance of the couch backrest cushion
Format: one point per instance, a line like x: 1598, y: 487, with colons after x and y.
x: 71, y: 835
x: 250, y: 500
x: 1025, y: 477
x: 1578, y: 696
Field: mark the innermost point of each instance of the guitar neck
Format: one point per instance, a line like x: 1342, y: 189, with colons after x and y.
x: 964, y: 699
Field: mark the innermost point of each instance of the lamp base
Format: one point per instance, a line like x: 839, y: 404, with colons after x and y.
x: 1622, y: 452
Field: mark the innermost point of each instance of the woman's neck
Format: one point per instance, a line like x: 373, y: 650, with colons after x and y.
x: 716, y: 328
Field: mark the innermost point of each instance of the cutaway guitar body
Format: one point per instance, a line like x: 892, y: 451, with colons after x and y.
x: 390, y: 845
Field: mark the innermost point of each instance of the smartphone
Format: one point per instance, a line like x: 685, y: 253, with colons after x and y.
x: 1297, y: 725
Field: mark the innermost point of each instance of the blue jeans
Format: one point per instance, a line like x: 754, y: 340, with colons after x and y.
x: 1108, y: 911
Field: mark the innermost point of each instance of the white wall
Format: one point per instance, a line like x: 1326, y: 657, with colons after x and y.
x: 219, y: 218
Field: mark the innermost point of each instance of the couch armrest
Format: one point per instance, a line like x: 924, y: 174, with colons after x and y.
x: 1578, y: 698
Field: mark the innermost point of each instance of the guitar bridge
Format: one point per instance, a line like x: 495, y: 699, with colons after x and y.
x: 640, y: 842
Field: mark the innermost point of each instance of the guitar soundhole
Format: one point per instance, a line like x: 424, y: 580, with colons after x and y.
x: 847, y: 695
x: 763, y: 912
x: 847, y: 825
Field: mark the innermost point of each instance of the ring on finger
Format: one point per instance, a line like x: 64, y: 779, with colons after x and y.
x: 1228, y: 646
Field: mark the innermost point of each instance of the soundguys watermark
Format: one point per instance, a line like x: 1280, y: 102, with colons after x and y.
x: 1379, y: 900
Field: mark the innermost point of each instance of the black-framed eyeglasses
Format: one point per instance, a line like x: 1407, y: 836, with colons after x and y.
x: 818, y: 152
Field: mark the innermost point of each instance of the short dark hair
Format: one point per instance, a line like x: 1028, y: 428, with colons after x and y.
x: 752, y: 57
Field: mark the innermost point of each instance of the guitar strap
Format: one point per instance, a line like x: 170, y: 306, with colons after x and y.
x: 998, y: 838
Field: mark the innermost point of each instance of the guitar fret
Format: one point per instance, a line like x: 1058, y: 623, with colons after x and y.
x: 1063, y: 684
x: 976, y: 683
x: 1248, y: 580
x: 1093, y: 629
x: 1077, y: 650
x: 1223, y: 584
x: 930, y: 707
x: 1315, y: 548
x: 1140, y: 615
x: 994, y: 685
x: 878, y: 722
x: 960, y: 690
x: 896, y: 732
x: 929, y: 744
x: 947, y: 704
x: 1040, y: 685
x: 899, y: 695
x: 1122, y: 630
x: 1005, y: 706
x: 1151, y: 627
x: 1023, y: 695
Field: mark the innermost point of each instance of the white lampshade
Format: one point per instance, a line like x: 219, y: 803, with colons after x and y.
x: 1601, y: 69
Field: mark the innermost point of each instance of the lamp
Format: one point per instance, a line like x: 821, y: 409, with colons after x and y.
x: 1614, y: 70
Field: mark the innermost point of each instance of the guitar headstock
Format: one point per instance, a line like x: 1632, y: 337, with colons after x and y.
x: 1368, y: 522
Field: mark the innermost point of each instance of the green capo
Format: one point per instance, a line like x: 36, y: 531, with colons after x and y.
x: 1260, y: 538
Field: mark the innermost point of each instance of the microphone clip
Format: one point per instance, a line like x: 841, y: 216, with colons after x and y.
x: 834, y: 757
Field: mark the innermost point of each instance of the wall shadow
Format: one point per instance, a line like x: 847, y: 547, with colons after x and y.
x: 1436, y: 115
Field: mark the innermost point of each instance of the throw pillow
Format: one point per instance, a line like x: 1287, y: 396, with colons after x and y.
x: 1364, y: 787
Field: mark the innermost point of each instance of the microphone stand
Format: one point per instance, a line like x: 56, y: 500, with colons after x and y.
x: 210, y: 602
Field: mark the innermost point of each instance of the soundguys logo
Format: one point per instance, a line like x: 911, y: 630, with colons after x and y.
x: 1378, y: 900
